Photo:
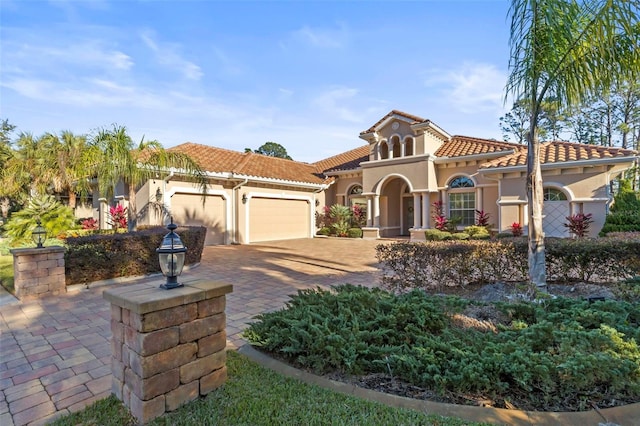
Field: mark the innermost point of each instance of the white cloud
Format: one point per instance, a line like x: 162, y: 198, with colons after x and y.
x: 470, y: 88
x: 325, y: 38
x: 334, y: 103
x: 168, y: 56
x: 85, y: 54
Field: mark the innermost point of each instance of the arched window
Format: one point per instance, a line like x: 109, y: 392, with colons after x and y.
x: 408, y: 147
x: 462, y: 200
x: 395, y: 144
x: 384, y: 150
x: 553, y: 194
x: 461, y: 182
x: 355, y: 196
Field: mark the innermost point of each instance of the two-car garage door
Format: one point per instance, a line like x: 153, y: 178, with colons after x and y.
x: 278, y: 219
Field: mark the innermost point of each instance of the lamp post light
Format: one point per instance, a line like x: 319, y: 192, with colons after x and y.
x: 39, y: 234
x: 171, y: 256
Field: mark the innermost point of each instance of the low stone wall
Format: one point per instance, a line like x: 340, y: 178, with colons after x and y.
x: 168, y: 346
x: 38, y: 272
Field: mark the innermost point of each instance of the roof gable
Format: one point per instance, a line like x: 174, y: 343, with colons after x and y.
x: 394, y: 114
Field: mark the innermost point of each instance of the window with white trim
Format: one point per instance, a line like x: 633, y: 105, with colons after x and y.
x: 462, y: 200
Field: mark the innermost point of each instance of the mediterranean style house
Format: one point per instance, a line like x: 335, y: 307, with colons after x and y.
x: 406, y: 164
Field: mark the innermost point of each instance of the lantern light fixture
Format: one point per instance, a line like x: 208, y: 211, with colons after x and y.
x: 171, y: 254
x: 39, y: 234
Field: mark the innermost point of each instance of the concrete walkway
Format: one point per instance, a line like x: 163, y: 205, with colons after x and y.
x: 55, y: 355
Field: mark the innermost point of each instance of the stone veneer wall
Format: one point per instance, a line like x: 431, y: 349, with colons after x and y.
x: 168, y: 346
x: 38, y: 272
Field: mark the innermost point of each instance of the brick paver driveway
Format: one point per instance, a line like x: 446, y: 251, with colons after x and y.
x: 55, y: 354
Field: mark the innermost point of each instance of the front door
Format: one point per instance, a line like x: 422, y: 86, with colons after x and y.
x: 407, y: 214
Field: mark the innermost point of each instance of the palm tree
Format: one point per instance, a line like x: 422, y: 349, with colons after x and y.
x: 567, y: 50
x: 121, y: 161
x: 73, y: 158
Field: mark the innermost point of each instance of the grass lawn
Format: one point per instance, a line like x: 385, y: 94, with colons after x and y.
x: 254, y: 395
x: 6, y: 272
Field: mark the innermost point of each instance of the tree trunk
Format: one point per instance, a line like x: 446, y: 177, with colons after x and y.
x: 73, y: 199
x: 132, y: 211
x: 535, y: 194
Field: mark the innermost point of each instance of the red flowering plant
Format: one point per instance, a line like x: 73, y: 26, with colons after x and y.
x: 439, y: 218
x: 482, y: 218
x: 578, y: 224
x: 89, y: 224
x: 516, y: 229
x: 359, y: 215
x: 118, y: 215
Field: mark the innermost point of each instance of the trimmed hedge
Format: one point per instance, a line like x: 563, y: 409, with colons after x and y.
x: 408, y: 265
x: 100, y: 257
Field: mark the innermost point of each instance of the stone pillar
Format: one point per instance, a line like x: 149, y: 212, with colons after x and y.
x: 417, y: 216
x: 425, y: 210
x: 38, y: 272
x: 376, y: 211
x: 167, y: 346
x: 369, y: 211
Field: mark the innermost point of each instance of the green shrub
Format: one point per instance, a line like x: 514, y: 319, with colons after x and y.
x: 476, y: 231
x: 621, y: 221
x: 55, y: 218
x: 460, y: 236
x: 504, y: 235
x: 354, y: 233
x: 324, y: 231
x: 564, y: 353
x: 104, y: 256
x: 436, y: 235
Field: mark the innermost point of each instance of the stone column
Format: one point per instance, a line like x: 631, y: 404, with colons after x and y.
x: 369, y: 212
x: 38, y: 272
x: 168, y: 346
x: 376, y: 211
x: 417, y: 217
x: 425, y: 210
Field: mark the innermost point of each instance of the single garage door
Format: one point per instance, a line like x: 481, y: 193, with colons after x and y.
x: 277, y: 219
x: 187, y: 209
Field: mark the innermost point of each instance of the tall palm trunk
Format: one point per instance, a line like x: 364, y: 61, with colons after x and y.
x: 132, y: 210
x: 535, y: 193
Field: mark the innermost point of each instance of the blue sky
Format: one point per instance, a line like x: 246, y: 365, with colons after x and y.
x: 308, y: 75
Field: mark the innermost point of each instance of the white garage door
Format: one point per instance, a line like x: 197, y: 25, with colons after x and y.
x: 276, y: 219
x: 187, y: 209
x: 555, y: 216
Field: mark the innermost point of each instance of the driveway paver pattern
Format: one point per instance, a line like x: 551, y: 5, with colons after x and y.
x: 55, y: 353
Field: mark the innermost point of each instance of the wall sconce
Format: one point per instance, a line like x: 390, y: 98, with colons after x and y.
x: 171, y: 255
x: 317, y: 203
x: 244, y: 198
x: 158, y: 195
x: 39, y: 234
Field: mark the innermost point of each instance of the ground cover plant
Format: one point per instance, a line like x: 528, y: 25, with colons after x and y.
x: 560, y: 355
x: 254, y: 395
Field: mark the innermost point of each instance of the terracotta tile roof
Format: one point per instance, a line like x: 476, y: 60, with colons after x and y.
x: 346, y: 161
x: 220, y: 160
x: 561, y: 152
x: 460, y: 146
x: 414, y: 118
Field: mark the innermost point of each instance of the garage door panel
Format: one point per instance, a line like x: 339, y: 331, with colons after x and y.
x: 278, y: 219
x: 187, y: 209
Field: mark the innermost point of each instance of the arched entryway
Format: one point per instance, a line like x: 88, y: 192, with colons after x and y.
x: 395, y: 206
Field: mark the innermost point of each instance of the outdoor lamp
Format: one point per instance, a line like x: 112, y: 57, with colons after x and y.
x: 39, y: 234
x: 171, y: 256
